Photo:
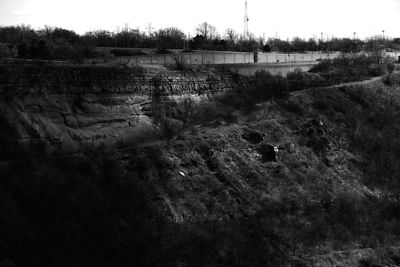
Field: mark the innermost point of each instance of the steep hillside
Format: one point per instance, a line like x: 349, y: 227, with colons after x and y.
x: 306, y: 179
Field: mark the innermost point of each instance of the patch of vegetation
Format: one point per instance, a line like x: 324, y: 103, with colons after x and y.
x: 263, y: 86
x: 299, y: 80
x: 347, y: 69
x: 5, y: 51
x: 391, y: 79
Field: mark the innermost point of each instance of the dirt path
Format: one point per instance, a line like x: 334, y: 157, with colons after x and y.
x: 363, y: 82
x: 373, y: 79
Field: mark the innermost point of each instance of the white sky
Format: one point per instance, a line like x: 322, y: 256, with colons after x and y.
x: 286, y: 18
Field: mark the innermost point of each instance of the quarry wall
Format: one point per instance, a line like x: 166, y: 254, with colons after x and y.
x: 67, y: 106
x: 89, y: 79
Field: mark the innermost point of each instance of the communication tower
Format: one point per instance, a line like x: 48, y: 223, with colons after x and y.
x: 150, y: 29
x: 246, y: 22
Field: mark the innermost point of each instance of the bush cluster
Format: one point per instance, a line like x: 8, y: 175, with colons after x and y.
x: 126, y: 52
x: 299, y: 80
x: 54, y: 51
x: 391, y: 79
x: 347, y: 69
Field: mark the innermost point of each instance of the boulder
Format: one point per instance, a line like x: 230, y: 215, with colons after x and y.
x: 269, y: 152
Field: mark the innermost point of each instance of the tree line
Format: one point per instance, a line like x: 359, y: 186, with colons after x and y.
x: 58, y: 43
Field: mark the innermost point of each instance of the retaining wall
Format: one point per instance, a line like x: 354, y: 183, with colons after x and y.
x: 216, y: 58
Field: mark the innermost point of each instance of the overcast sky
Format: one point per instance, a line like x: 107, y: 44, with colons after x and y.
x: 286, y: 18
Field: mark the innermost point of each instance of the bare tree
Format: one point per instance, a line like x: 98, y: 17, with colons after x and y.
x: 231, y: 36
x: 169, y: 38
x: 207, y: 30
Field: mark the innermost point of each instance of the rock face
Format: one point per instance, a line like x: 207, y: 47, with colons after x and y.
x: 69, y: 105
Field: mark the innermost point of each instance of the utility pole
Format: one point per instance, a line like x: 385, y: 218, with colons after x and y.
x: 327, y: 43
x: 354, y: 40
x: 116, y: 36
x: 23, y: 32
x: 126, y: 33
x: 188, y: 42
x: 322, y: 42
x: 314, y: 38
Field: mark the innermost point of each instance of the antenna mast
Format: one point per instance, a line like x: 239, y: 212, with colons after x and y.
x: 246, y: 22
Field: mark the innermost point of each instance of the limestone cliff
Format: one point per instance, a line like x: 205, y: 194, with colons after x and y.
x: 70, y: 105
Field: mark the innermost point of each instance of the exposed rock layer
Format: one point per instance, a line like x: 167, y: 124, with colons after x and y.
x: 70, y: 105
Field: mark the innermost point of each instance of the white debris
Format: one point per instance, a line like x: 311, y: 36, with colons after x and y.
x: 182, y: 174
